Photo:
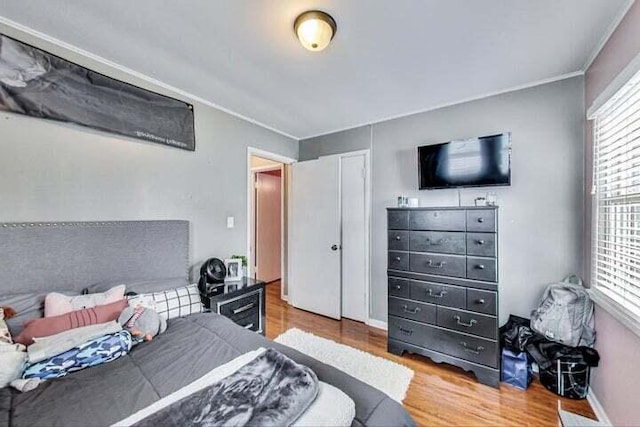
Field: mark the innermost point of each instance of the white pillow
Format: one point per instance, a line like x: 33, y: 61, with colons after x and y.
x: 56, y: 304
x: 13, y: 360
x: 178, y: 302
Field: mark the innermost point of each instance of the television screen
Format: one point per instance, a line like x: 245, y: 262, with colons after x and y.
x: 474, y: 162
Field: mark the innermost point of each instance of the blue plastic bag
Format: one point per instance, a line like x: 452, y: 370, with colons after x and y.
x: 516, y: 369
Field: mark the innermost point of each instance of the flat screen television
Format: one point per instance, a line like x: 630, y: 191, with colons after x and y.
x: 474, y: 162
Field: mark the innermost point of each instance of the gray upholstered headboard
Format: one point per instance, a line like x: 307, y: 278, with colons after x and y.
x: 37, y: 258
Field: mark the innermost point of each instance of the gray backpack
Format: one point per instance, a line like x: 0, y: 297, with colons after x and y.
x: 565, y: 314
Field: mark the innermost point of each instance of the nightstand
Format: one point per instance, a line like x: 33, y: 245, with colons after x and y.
x: 241, y: 301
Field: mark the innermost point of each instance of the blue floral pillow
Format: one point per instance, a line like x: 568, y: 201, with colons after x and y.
x: 95, y: 352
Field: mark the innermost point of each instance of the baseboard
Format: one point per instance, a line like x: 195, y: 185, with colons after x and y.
x: 377, y: 324
x: 597, y: 408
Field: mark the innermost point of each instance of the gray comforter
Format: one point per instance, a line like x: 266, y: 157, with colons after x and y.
x: 190, y: 347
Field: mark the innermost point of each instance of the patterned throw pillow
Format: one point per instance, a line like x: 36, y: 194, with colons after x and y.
x: 178, y: 302
x: 94, y: 352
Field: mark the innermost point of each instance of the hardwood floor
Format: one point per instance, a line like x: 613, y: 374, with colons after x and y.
x: 438, y: 394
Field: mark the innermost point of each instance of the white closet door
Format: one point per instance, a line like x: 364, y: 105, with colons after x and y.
x: 354, y: 237
x: 314, y: 237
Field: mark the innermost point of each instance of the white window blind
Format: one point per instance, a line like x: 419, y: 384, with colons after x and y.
x: 616, y: 179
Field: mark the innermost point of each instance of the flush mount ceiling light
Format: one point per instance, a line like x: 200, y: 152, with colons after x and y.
x: 315, y: 29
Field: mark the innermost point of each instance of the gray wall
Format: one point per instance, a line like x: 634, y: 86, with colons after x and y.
x: 540, y: 214
x: 51, y: 171
x: 336, y: 143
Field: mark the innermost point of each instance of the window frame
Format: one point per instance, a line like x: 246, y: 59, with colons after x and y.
x: 600, y: 298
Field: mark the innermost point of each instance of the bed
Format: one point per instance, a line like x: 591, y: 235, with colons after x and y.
x: 36, y: 258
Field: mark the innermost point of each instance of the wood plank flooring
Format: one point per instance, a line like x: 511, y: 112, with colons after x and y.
x: 439, y: 395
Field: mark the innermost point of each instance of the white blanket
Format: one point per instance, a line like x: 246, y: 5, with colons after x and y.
x: 331, y: 408
x: 46, y: 347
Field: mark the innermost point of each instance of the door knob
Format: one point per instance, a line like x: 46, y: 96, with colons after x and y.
x: 334, y: 247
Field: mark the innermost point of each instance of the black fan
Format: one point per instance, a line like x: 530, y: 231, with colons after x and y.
x: 212, y: 271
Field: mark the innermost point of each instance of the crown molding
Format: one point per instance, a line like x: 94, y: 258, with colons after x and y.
x: 36, y: 38
x: 453, y: 103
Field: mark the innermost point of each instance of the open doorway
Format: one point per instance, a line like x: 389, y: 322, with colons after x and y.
x: 267, y: 217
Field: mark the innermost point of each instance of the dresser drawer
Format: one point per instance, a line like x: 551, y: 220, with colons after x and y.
x: 467, y: 347
x: 437, y: 220
x: 413, y: 310
x: 464, y: 321
x: 445, y: 265
x: 398, y: 240
x: 398, y: 287
x: 482, y: 301
x: 481, y: 220
x: 250, y: 321
x: 463, y: 346
x: 481, y: 244
x: 398, y: 220
x: 437, y: 241
x: 398, y: 260
x: 435, y: 293
x: 482, y: 269
x: 241, y: 306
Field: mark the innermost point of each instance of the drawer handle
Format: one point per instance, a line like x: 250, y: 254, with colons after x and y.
x: 398, y: 287
x: 249, y: 326
x: 480, y: 301
x: 398, y: 237
x: 437, y: 242
x: 440, y: 264
x: 414, y: 311
x: 405, y: 331
x: 468, y: 349
x: 480, y: 219
x: 480, y: 242
x: 440, y: 295
x: 467, y: 325
x: 398, y: 259
x: 480, y: 266
x: 244, y: 308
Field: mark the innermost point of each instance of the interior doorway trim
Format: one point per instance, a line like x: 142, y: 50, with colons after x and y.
x: 251, y: 151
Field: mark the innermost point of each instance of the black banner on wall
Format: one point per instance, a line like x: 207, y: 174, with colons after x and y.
x: 38, y: 84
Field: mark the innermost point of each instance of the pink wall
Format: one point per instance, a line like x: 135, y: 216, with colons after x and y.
x: 268, y: 225
x: 616, y: 382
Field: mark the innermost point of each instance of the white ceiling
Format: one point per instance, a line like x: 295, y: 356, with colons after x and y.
x: 389, y: 57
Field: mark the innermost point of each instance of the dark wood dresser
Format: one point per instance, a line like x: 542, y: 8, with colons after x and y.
x: 242, y: 301
x: 443, y: 286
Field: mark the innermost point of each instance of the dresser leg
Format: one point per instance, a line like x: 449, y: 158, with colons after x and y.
x: 394, y: 348
x: 492, y: 379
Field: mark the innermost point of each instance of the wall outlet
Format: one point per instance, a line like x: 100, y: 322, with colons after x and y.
x: 230, y: 222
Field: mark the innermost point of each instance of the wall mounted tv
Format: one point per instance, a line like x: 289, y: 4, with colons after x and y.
x: 474, y: 162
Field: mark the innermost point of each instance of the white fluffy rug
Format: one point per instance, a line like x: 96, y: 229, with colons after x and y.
x: 387, y: 376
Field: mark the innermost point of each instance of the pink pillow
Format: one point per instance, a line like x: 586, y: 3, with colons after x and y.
x: 47, y: 326
x: 56, y: 304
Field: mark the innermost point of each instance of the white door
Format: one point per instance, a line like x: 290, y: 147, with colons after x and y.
x: 314, y: 237
x: 268, y: 225
x: 354, y: 236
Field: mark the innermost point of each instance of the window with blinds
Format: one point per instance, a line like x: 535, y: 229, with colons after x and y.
x: 616, y: 179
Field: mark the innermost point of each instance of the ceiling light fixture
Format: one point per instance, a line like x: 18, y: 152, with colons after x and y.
x: 315, y: 29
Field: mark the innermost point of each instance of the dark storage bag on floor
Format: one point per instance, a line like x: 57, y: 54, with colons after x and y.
x: 516, y: 368
x: 564, y: 370
x: 515, y: 334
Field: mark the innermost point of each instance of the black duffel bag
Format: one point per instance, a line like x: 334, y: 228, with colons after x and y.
x: 564, y: 370
x: 515, y: 334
